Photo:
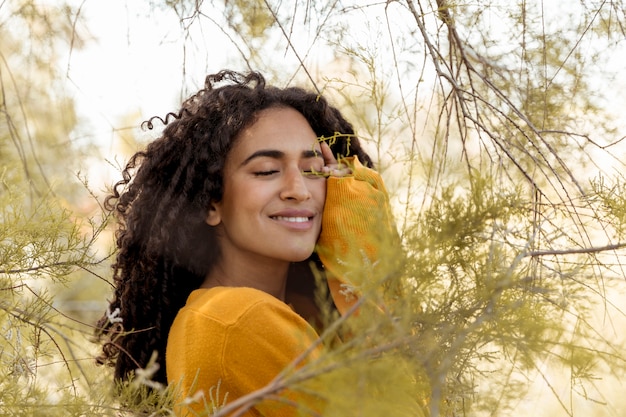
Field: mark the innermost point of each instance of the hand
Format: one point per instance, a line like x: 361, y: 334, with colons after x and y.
x: 332, y: 168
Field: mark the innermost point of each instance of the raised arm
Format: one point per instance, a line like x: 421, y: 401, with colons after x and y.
x: 359, y: 240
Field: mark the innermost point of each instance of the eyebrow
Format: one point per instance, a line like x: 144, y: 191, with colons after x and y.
x: 276, y: 154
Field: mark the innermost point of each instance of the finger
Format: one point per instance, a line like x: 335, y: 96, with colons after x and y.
x: 331, y: 166
x: 329, y: 159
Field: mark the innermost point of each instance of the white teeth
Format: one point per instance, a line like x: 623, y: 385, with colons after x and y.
x: 292, y: 219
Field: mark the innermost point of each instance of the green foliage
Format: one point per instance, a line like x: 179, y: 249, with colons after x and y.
x: 511, y: 280
x: 40, y: 241
x: 45, y: 239
x: 254, y: 22
x: 612, y: 197
x: 481, y: 300
x: 42, y: 348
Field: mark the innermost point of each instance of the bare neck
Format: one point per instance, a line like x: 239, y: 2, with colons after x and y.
x: 269, y: 276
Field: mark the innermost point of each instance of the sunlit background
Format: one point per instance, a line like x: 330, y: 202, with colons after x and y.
x: 140, y: 59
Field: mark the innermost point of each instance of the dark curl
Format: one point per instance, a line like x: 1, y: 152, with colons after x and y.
x: 165, y: 247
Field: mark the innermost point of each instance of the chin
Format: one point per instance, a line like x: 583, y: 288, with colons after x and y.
x: 300, y: 256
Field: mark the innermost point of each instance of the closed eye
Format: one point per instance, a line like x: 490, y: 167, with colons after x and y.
x: 265, y: 173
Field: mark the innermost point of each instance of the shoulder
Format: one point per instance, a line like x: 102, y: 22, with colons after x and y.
x: 223, y: 321
x: 224, y: 330
x: 226, y: 315
x: 229, y: 305
x: 237, y: 338
x: 235, y: 314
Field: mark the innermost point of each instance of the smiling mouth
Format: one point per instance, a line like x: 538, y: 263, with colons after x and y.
x: 292, y: 219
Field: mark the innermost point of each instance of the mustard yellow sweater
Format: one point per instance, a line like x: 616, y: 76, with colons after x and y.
x: 242, y: 338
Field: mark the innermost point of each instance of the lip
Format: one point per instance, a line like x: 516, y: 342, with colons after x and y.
x: 294, y: 219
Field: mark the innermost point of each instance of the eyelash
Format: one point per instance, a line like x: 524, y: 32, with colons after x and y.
x: 308, y: 173
x: 265, y: 173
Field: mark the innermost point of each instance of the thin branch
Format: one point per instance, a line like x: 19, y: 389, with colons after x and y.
x: 52, y: 265
x: 575, y: 251
x: 293, y: 48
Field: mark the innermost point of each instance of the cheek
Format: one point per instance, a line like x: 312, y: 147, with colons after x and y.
x: 249, y: 198
x: 318, y: 190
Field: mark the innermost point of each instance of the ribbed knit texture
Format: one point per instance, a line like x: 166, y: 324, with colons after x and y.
x: 356, y: 225
x: 241, y: 337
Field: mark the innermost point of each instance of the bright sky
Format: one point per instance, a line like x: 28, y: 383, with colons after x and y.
x: 135, y: 62
x: 133, y: 65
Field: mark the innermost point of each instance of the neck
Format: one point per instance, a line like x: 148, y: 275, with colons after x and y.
x: 269, y: 276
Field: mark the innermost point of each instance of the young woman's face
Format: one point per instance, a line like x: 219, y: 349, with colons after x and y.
x: 273, y: 199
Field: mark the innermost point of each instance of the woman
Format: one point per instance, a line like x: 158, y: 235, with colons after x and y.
x: 218, y: 222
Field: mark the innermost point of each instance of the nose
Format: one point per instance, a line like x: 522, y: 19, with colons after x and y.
x: 294, y: 186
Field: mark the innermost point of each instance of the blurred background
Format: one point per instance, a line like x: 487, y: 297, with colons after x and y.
x: 498, y: 126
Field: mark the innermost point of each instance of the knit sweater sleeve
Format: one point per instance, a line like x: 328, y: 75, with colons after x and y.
x: 357, y: 223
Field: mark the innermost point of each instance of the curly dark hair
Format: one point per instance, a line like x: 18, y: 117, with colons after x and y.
x: 165, y: 247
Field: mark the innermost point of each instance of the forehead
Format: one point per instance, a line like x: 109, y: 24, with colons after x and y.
x: 283, y: 129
